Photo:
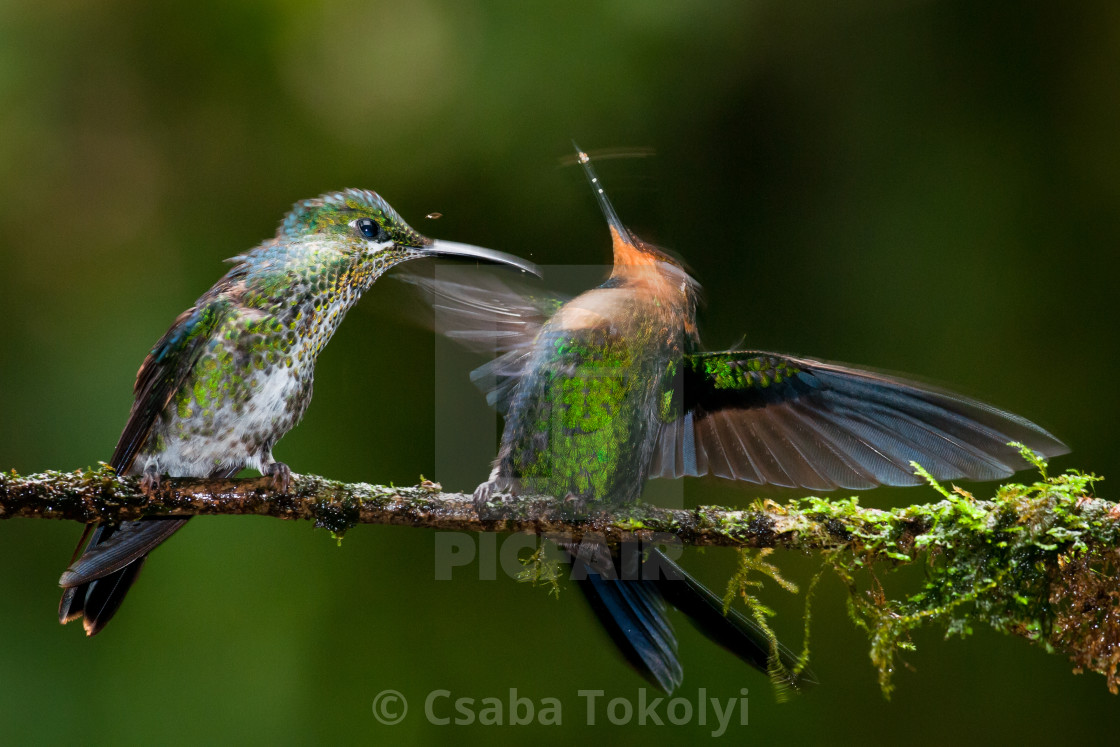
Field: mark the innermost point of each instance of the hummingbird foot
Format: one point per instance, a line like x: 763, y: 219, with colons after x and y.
x: 485, y: 492
x: 578, y: 503
x: 281, y: 475
x: 149, y: 483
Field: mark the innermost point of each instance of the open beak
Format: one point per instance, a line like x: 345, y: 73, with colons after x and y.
x: 439, y: 248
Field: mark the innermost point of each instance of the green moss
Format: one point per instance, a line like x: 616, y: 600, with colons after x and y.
x: 1015, y: 563
x: 539, y: 569
x: 753, y: 567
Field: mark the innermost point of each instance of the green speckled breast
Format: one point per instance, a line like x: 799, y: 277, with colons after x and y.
x: 583, y: 422
x: 253, y: 380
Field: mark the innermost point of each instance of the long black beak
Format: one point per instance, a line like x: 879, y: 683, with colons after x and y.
x: 440, y: 248
x: 604, y: 204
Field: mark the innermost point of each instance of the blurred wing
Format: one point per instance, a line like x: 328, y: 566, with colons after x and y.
x: 767, y: 418
x: 488, y: 315
x: 162, y: 374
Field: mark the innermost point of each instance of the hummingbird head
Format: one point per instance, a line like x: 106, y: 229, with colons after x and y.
x: 362, y: 223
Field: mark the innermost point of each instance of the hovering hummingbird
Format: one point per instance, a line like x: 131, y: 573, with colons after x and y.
x: 234, y: 372
x: 612, y: 387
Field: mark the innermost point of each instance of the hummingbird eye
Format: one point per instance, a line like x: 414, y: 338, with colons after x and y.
x: 367, y: 227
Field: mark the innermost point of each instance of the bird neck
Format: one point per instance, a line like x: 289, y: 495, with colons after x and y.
x: 647, y: 275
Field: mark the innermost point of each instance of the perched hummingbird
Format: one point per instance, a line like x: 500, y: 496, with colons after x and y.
x: 234, y: 372
x: 613, y: 388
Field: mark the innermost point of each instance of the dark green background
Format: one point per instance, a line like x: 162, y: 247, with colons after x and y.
x: 931, y: 187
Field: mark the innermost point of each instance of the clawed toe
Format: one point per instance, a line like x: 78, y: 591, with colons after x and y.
x: 492, y: 489
x: 281, y: 476
x: 149, y: 483
x: 482, y: 494
x: 578, y: 503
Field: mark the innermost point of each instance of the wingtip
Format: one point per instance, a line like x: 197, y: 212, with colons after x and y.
x: 1055, y: 448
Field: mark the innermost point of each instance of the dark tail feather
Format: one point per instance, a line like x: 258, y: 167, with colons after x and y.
x: 633, y: 612
x: 113, y: 548
x: 81, y: 541
x: 97, y: 582
x: 105, y: 596
x: 72, y: 604
x: 734, y: 631
x: 98, y: 600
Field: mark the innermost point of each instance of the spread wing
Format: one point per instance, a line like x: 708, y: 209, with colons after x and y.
x: 768, y: 418
x: 488, y: 315
x: 163, y: 373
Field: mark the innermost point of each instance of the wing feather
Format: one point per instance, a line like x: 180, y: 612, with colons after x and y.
x: 772, y: 419
x: 162, y: 375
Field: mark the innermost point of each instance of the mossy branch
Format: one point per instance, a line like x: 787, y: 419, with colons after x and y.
x: 1041, y: 561
x: 101, y: 495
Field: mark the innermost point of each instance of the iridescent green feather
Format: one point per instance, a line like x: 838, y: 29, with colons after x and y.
x: 584, y: 410
x: 735, y: 370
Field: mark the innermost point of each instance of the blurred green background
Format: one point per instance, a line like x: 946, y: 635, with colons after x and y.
x: 931, y: 187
